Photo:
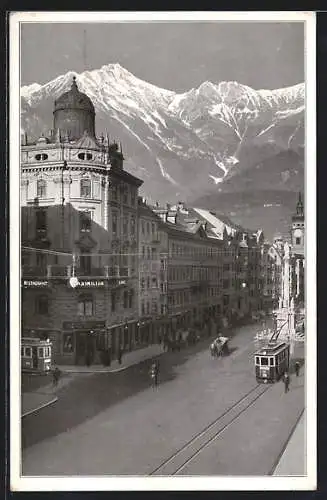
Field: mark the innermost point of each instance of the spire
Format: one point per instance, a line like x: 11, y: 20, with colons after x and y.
x: 299, y: 206
x: 74, y: 84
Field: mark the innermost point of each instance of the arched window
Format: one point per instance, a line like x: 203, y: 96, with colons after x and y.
x: 41, y: 188
x: 85, y: 305
x: 85, y: 188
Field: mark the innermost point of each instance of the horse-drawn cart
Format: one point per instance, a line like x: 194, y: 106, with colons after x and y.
x: 219, y: 346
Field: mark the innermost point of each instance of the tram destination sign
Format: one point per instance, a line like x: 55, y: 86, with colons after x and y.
x: 35, y: 283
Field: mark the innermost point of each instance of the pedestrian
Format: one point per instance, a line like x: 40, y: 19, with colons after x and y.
x: 286, y: 382
x: 297, y: 368
x: 154, y: 371
x: 56, y: 376
x: 119, y: 354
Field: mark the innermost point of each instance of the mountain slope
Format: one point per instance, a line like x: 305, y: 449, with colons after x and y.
x: 182, y: 145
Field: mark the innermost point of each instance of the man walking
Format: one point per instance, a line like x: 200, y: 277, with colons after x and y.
x: 154, y: 372
x: 56, y: 376
x: 119, y: 354
x: 297, y: 368
x: 286, y: 382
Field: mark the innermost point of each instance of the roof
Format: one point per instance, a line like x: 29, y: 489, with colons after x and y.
x: 74, y: 99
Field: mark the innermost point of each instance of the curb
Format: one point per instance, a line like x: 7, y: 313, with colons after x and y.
x: 277, y: 461
x: 40, y: 407
x: 110, y: 370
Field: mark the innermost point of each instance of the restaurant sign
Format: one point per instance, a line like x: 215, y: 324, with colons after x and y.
x: 35, y: 283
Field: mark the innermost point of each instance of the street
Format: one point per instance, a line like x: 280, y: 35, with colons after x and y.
x: 115, y: 423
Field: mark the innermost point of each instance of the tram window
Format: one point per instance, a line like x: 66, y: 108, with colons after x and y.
x: 40, y: 353
x: 264, y: 361
x: 257, y: 360
x: 28, y: 352
x: 271, y: 361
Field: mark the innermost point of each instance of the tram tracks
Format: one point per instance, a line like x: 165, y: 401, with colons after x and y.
x: 189, y: 451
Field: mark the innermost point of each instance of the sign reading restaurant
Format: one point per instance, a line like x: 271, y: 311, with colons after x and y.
x: 35, y: 283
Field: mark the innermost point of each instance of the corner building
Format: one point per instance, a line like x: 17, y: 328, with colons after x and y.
x: 79, y: 238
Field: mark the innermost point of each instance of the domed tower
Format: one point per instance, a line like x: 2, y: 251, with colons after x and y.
x: 74, y: 114
x: 298, y: 229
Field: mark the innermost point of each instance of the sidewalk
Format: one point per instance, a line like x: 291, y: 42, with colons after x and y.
x: 292, y: 462
x: 128, y: 359
x: 34, y: 401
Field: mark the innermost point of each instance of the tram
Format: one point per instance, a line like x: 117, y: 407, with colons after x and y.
x: 272, y: 361
x: 36, y: 355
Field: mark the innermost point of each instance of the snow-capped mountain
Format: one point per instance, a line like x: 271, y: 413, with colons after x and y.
x: 181, y: 145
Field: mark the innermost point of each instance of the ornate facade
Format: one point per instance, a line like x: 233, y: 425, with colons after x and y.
x: 80, y: 221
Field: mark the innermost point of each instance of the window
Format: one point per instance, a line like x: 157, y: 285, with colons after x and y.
x: 133, y: 198
x: 264, y: 361
x: 113, y: 301
x: 41, y: 260
x: 297, y: 241
x: 28, y: 352
x: 85, y: 156
x: 85, y: 305
x: 41, y: 157
x: 142, y: 283
x: 114, y: 224
x: 40, y: 352
x: 41, y: 188
x: 132, y: 226
x: 42, y: 304
x: 41, y: 220
x: 148, y: 228
x: 85, y: 188
x: 131, y: 299
x: 85, y: 263
x: 114, y: 192
x: 22, y: 352
x: 154, y: 306
x: 125, y: 195
x: 142, y: 308
x: 85, y: 221
x: 271, y: 361
x: 125, y: 299
x: 148, y: 282
x: 67, y: 343
x: 143, y: 227
x: 125, y: 226
x: 154, y: 282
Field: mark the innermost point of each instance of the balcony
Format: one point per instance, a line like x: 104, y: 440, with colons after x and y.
x: 64, y: 272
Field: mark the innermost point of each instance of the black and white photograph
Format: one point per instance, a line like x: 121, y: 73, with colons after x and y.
x: 162, y: 251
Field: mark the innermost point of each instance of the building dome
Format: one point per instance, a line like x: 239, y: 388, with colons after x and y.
x: 74, y: 113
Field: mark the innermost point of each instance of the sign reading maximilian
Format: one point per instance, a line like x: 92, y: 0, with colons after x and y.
x: 76, y: 283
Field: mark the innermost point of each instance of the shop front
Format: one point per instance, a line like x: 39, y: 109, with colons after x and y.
x: 83, y: 342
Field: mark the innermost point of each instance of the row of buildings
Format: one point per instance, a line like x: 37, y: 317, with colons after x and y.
x: 101, y: 268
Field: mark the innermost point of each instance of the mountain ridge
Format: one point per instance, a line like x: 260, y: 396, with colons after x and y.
x: 187, y: 144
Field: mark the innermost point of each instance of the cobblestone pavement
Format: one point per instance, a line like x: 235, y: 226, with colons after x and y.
x: 116, y: 424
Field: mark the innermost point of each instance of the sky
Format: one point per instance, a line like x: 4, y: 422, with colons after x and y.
x: 175, y: 56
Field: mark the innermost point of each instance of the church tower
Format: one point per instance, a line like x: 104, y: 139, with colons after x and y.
x: 298, y: 229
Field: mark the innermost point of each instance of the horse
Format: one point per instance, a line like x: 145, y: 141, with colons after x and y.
x: 214, y: 350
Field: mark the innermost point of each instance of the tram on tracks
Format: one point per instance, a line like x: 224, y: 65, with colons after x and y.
x: 36, y: 355
x: 272, y: 361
